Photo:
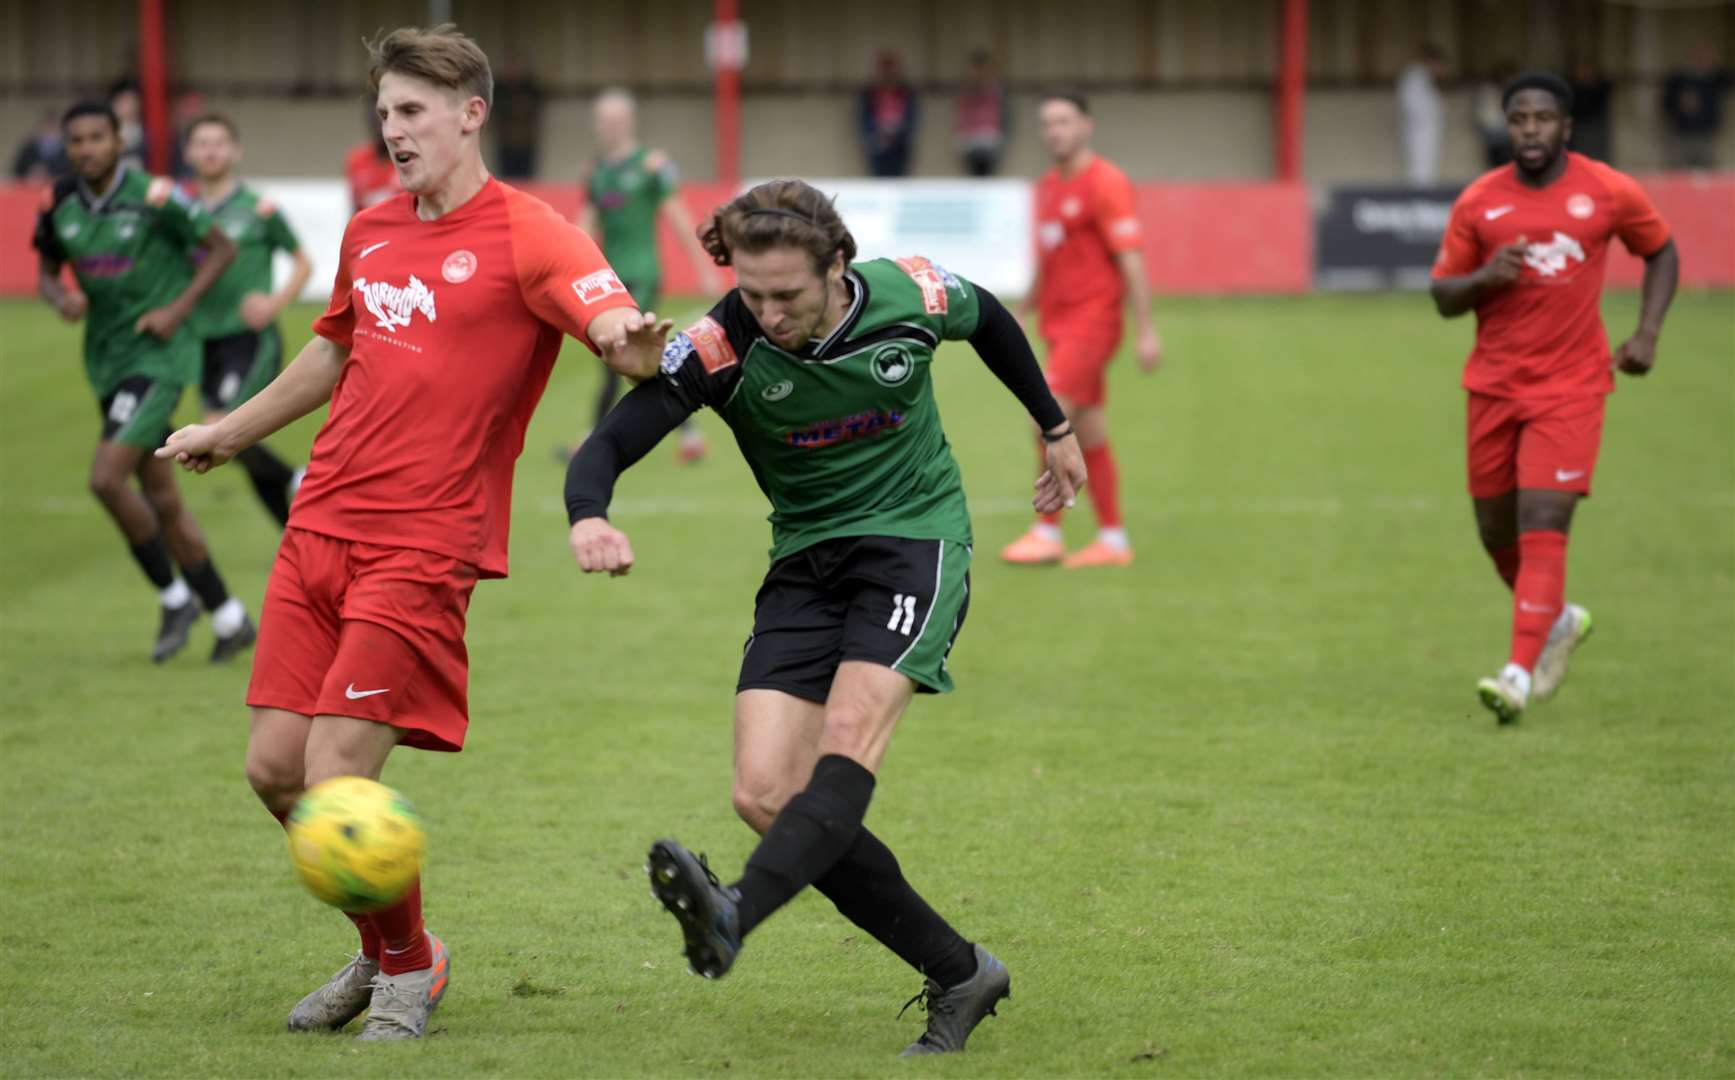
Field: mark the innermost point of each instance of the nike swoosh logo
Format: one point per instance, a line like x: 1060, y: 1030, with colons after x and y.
x: 353, y: 694
x: 371, y: 248
x: 1497, y: 212
x: 1561, y: 476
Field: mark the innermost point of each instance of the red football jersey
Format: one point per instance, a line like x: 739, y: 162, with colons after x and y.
x: 452, y: 327
x: 372, y: 176
x: 1542, y: 336
x: 1082, y: 222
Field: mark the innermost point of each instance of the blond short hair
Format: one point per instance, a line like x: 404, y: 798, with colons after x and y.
x: 442, y: 55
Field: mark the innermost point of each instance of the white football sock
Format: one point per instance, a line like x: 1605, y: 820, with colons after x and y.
x: 1518, y: 677
x: 1115, y: 538
x: 176, y: 595
x: 1044, y: 531
x: 228, y: 617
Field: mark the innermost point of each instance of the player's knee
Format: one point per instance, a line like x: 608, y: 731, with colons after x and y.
x: 277, y: 781
x: 757, y: 803
x: 108, y: 485
x: 850, y: 728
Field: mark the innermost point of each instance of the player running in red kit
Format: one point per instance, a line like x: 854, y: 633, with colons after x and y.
x: 445, y: 319
x: 1090, y: 261
x: 1525, y: 249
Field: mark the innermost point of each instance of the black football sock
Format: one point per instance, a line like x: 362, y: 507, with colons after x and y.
x: 808, y: 836
x: 153, y: 558
x: 207, y: 584
x: 270, y: 475
x: 611, y: 388
x: 869, y: 889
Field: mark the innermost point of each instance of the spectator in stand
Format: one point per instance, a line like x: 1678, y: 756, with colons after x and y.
x: 982, y: 117
x: 1592, y: 133
x: 1693, y: 107
x: 372, y: 176
x: 1490, y: 114
x: 516, y: 120
x: 42, y: 154
x: 123, y: 98
x: 888, y: 119
x: 1422, y: 114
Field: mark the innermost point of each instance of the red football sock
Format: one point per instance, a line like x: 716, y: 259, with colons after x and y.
x: 370, y: 938
x: 1539, y: 593
x: 406, y: 940
x: 1506, y: 564
x: 1104, y: 486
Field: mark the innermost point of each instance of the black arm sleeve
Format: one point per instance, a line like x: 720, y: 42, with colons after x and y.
x: 626, y: 434
x: 1001, y: 344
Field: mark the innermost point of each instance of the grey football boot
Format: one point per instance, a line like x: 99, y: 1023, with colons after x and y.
x: 402, y: 1004
x: 953, y: 1014
x: 344, y: 997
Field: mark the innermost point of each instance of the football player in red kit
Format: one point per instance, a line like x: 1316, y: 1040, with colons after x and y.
x: 1525, y: 249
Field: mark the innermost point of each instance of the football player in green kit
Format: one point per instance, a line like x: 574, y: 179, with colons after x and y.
x: 823, y: 371
x: 237, y: 317
x: 626, y: 191
x: 132, y: 241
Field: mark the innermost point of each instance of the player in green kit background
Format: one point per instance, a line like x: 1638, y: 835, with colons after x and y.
x: 627, y: 189
x: 237, y: 317
x: 131, y: 240
x: 823, y: 371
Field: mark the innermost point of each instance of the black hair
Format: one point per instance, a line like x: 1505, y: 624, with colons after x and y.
x: 1539, y: 80
x: 1075, y: 97
x: 90, y: 108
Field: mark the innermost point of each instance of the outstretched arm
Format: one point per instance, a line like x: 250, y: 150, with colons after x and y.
x: 629, y: 432
x: 304, y: 385
x: 1001, y: 344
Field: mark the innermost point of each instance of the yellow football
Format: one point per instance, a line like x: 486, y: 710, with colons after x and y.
x: 355, y: 843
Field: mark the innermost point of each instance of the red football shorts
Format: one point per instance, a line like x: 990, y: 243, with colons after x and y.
x: 1078, y: 360
x: 376, y: 633
x: 1550, y: 444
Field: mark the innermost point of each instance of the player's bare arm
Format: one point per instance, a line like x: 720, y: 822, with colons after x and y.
x: 164, y: 321
x: 304, y: 386
x: 1453, y: 296
x: 1638, y: 354
x: 630, y: 341
x: 629, y: 432
x: 70, y: 303
x: 259, y: 310
x: 1149, y: 346
x: 675, y: 211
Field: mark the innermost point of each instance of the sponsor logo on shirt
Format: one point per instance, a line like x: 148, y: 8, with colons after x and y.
x: 712, y: 345
x: 675, y: 353
x: 1050, y: 235
x: 1580, y: 205
x: 394, y: 305
x: 597, y: 287
x: 459, y: 267
x: 892, y: 365
x: 861, y: 425
x: 1071, y: 206
x: 932, y: 279
x: 1498, y: 212
x: 1551, y: 258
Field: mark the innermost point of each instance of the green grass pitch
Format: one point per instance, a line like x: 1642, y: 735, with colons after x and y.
x: 1232, y: 811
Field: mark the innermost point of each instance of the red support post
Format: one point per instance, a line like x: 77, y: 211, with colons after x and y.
x: 1291, y: 87
x: 727, y: 84
x: 154, y: 84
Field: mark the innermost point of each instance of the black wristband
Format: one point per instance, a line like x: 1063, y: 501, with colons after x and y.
x: 1058, y: 435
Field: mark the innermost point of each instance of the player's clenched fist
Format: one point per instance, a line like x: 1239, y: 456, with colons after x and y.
x: 196, y: 447
x: 1507, y: 264
x: 599, y: 546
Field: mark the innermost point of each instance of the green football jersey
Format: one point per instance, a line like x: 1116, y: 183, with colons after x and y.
x: 131, y: 251
x: 844, y: 436
x: 627, y: 193
x: 259, y: 231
